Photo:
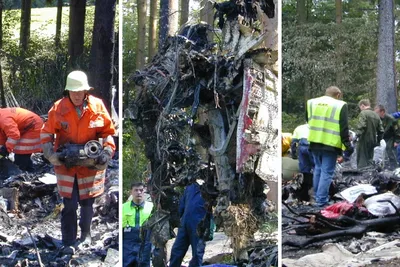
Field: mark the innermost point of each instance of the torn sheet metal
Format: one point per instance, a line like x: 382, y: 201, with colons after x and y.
x: 257, y: 129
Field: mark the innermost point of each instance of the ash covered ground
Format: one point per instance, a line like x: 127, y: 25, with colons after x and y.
x: 30, y: 230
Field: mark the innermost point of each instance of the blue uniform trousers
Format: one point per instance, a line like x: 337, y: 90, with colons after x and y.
x: 135, y: 252
x: 69, y: 217
x: 187, y: 235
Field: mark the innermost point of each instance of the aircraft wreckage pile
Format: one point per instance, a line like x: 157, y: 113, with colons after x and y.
x: 30, y: 210
x: 209, y: 111
x: 363, y: 220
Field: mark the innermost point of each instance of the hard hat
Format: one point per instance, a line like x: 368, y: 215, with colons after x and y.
x: 77, y: 81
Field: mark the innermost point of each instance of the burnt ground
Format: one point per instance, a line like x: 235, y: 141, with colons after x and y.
x: 31, y: 226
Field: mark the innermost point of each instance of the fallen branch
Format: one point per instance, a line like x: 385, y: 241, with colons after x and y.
x: 360, y: 228
x: 36, y: 249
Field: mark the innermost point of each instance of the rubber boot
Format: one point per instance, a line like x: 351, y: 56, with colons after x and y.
x: 85, y: 240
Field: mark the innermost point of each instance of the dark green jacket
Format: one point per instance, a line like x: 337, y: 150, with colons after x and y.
x: 390, y: 128
x: 369, y: 130
x: 369, y: 127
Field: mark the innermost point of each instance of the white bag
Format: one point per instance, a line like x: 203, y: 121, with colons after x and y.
x: 379, y: 152
x: 378, y: 208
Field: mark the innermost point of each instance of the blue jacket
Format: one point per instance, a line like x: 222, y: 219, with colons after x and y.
x: 396, y: 115
x: 191, y: 205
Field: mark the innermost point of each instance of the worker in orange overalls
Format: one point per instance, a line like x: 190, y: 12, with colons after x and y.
x: 20, y: 134
x: 77, y: 118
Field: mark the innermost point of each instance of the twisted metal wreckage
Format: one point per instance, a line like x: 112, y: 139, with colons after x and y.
x: 208, y: 111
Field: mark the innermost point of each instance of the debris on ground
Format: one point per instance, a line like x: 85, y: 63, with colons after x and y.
x: 360, y: 222
x: 209, y: 111
x: 30, y: 210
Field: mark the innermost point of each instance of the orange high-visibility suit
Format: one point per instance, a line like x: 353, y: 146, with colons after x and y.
x: 94, y: 123
x: 20, y: 130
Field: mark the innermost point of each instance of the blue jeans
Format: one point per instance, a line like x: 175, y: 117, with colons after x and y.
x: 398, y: 153
x: 306, y: 162
x: 325, y: 163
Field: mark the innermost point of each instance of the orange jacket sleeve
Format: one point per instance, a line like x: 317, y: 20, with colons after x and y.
x: 10, y: 128
x: 108, y: 130
x: 49, y: 129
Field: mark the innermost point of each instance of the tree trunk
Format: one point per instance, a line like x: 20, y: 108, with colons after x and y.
x: 77, y: 9
x: 184, y: 12
x: 102, y: 52
x: 301, y: 11
x: 153, y: 28
x: 164, y: 22
x: 386, y: 85
x: 173, y: 17
x: 203, y: 13
x: 58, y: 23
x: 25, y: 30
x: 339, y: 59
x: 141, y: 34
x: 207, y: 15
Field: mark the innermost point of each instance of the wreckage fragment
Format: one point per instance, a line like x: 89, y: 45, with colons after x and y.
x: 211, y: 114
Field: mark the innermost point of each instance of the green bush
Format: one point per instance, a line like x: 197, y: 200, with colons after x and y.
x: 134, y: 164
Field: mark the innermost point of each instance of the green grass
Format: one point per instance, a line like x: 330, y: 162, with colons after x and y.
x: 271, y: 225
x: 43, y: 21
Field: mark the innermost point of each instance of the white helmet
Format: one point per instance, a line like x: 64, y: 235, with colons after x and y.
x: 77, y: 81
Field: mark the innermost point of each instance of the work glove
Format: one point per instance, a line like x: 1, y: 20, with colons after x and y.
x: 103, y: 159
x: 50, y: 155
x: 3, y: 151
x: 347, y: 153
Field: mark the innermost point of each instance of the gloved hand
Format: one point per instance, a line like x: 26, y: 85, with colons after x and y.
x: 3, y: 151
x: 51, y: 155
x: 347, y: 153
x: 103, y: 159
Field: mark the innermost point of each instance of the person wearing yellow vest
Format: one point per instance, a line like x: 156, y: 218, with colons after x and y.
x: 329, y: 132
x: 299, y: 148
x: 370, y: 131
x: 135, y: 251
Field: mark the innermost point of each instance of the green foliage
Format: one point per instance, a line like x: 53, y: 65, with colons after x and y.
x: 134, y: 164
x: 271, y: 225
x: 291, y: 121
x: 129, y: 28
x: 321, y: 53
x: 37, y: 78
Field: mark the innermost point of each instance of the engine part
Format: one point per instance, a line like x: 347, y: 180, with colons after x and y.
x: 80, y: 155
x: 93, y: 149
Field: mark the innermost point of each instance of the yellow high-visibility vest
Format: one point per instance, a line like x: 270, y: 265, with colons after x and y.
x: 323, y: 119
x: 129, y: 214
